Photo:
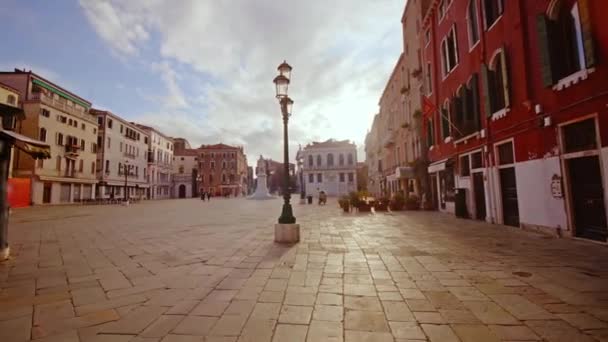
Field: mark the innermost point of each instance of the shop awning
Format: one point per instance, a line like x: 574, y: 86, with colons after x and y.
x: 439, y: 165
x: 13, y: 111
x: 35, y: 148
x: 405, y: 172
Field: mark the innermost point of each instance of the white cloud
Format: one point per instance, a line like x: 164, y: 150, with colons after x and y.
x: 342, y: 52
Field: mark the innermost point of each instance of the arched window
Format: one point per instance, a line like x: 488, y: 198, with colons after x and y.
x: 341, y: 160
x: 497, y: 83
x: 350, y: 159
x: 319, y: 162
x: 11, y: 99
x: 310, y: 161
x: 330, y: 159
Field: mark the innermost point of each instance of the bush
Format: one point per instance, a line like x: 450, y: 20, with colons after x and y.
x: 398, y: 201
x: 344, y: 202
x: 412, y: 203
x: 354, y: 199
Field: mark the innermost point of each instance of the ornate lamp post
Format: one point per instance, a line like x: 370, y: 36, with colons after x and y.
x: 282, y: 84
x: 286, y: 230
x: 127, y: 171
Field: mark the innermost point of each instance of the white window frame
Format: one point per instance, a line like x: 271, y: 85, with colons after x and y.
x: 485, y: 21
x: 472, y: 44
x: 445, y: 52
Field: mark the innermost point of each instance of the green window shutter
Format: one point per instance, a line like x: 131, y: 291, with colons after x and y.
x: 429, y: 132
x: 486, y: 89
x: 544, y: 48
x: 445, y: 122
x: 585, y: 17
x: 465, y: 105
x: 505, y: 76
x: 475, y: 101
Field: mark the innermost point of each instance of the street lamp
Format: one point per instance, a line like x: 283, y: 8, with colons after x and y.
x: 127, y: 170
x: 282, y: 83
x: 199, y: 179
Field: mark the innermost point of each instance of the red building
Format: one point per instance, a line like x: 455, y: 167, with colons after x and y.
x: 519, y: 124
x: 223, y: 170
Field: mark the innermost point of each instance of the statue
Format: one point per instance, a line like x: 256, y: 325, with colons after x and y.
x: 261, y: 190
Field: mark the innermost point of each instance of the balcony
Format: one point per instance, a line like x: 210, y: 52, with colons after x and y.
x: 61, y: 105
x: 72, y: 151
x: 389, y: 140
x: 129, y: 155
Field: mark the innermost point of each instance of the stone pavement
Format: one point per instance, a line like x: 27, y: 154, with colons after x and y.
x: 186, y: 270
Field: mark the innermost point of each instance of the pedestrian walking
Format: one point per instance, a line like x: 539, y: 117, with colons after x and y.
x: 209, y: 196
x: 203, y: 194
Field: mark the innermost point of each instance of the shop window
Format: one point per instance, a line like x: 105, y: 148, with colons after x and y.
x: 465, y: 168
x: 476, y: 160
x: 580, y: 136
x: 505, y: 154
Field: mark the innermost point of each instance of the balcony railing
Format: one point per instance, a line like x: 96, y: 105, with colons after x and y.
x: 129, y: 155
x: 59, y: 105
x: 72, y: 150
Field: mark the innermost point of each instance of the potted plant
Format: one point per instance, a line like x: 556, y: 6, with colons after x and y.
x: 397, y: 202
x: 382, y: 204
x: 412, y: 203
x: 344, y: 203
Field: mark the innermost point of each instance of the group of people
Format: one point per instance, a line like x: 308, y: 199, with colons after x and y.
x: 206, y: 195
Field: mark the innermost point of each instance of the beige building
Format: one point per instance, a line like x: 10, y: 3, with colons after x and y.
x: 122, y: 157
x: 185, y: 170
x: 60, y: 118
x: 330, y: 166
x: 373, y: 158
x: 160, y: 163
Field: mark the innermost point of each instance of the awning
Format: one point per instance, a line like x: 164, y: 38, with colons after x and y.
x: 35, y: 148
x: 405, y: 172
x: 122, y: 184
x: 437, y: 166
x: 10, y: 110
x: 67, y: 180
x: 440, y: 165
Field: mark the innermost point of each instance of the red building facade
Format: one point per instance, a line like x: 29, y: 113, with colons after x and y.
x: 517, y: 129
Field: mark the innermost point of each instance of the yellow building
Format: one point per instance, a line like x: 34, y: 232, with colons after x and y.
x: 9, y: 97
x: 61, y: 119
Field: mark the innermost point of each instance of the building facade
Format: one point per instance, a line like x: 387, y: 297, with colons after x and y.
x: 185, y: 170
x: 223, y: 170
x: 516, y: 123
x: 373, y: 158
x: 330, y: 166
x: 160, y: 163
x: 122, y: 157
x: 62, y: 119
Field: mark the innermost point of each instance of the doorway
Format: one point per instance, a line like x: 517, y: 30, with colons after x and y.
x: 587, y: 191
x: 46, y: 193
x: 510, y: 205
x: 480, y: 196
x: 434, y: 192
x: 182, y: 191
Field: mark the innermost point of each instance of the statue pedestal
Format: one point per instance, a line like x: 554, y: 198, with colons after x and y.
x: 261, y: 190
x: 286, y: 233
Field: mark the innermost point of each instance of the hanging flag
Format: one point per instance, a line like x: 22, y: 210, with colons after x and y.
x: 427, y: 106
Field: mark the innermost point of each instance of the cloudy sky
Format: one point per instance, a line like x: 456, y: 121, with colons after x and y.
x: 203, y: 69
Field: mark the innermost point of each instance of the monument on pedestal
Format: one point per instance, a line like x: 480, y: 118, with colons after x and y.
x: 261, y: 190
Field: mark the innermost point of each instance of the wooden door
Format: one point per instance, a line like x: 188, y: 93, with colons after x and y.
x: 508, y: 188
x: 589, y: 211
x: 480, y: 196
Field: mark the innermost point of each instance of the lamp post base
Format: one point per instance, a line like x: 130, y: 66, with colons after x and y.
x: 287, y: 214
x: 286, y: 233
